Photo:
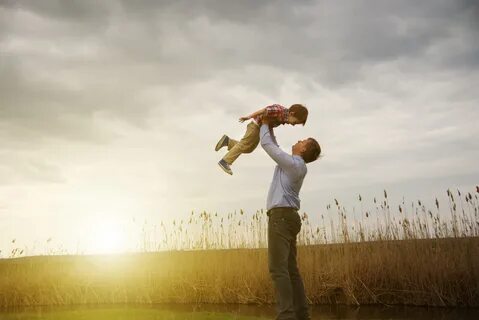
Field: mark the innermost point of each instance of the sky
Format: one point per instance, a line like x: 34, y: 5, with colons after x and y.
x: 110, y: 110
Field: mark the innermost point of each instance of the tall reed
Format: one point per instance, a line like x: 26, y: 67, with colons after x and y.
x: 406, y: 255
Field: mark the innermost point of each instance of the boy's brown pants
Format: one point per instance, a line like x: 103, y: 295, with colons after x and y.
x: 247, y: 144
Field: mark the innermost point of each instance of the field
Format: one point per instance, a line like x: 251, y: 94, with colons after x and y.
x: 121, y: 312
x: 416, y: 257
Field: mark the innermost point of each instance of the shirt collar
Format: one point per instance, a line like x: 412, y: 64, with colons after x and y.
x: 299, y: 157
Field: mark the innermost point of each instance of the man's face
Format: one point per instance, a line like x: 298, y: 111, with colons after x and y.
x: 300, y: 146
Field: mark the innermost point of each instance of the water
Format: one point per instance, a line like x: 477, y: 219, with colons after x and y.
x: 229, y: 312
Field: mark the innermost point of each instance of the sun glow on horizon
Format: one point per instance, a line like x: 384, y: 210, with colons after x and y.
x: 106, y: 237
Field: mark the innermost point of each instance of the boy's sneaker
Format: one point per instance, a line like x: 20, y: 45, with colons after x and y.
x: 225, y: 166
x: 223, y: 142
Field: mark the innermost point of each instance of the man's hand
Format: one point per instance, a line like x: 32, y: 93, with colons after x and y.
x: 243, y: 119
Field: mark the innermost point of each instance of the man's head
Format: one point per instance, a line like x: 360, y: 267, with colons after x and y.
x: 298, y: 114
x: 308, y: 149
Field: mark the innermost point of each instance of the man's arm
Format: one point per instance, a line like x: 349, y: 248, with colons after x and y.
x: 269, y: 144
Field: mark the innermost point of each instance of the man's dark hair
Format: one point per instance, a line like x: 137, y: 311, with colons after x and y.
x: 300, y: 112
x: 312, y: 152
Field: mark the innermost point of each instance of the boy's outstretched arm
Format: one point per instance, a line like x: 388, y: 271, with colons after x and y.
x: 254, y: 114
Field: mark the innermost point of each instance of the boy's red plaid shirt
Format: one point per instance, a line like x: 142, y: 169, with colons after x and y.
x: 275, y: 111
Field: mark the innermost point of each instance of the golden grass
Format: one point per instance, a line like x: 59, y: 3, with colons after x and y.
x: 434, y: 272
x: 415, y: 256
x: 459, y: 218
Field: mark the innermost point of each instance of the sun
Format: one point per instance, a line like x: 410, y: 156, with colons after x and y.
x: 107, y: 237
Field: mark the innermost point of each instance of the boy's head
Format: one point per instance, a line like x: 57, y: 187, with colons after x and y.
x: 298, y: 114
x: 309, y: 149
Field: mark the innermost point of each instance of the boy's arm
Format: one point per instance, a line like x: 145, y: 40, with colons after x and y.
x: 253, y: 115
x: 269, y: 144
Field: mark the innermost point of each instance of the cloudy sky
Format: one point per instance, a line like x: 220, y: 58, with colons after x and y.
x: 111, y: 109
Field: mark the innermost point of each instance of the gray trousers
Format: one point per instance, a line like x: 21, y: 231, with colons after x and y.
x: 284, y: 225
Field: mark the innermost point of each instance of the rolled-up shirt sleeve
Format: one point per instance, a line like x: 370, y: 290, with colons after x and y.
x: 269, y: 144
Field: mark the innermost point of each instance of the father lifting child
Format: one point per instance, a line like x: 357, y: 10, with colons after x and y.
x: 276, y: 114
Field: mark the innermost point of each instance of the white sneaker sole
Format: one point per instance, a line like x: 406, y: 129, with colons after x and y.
x: 226, y: 170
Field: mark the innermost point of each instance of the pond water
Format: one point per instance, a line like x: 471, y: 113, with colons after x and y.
x: 229, y: 312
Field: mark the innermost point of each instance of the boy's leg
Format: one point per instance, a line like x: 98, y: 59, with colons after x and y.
x: 247, y: 144
x: 231, y: 143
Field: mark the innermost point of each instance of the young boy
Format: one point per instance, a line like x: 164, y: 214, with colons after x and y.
x: 276, y: 114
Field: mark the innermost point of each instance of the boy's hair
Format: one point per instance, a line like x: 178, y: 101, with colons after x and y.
x: 300, y: 112
x: 313, y: 150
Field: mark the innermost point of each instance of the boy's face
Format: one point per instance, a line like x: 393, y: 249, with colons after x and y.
x: 292, y: 120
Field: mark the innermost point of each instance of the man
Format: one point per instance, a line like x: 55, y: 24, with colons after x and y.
x: 284, y: 222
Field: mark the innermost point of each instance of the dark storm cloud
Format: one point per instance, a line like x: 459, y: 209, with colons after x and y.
x: 65, y: 63
x: 329, y: 40
x: 86, y: 12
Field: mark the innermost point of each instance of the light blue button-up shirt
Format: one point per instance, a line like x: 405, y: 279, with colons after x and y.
x: 288, y: 175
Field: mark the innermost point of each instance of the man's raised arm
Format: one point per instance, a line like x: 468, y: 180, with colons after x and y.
x: 269, y: 144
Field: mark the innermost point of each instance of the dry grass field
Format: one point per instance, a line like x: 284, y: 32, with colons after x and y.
x: 415, y: 256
